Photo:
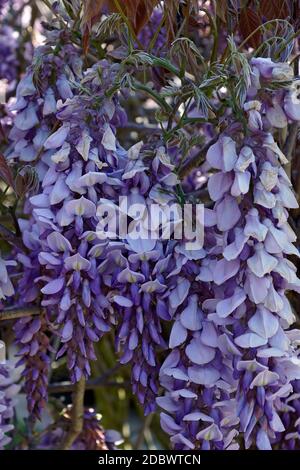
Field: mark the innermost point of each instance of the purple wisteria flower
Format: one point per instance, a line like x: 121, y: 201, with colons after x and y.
x: 79, y: 158
x: 8, y: 391
x: 46, y: 82
x: 241, y: 352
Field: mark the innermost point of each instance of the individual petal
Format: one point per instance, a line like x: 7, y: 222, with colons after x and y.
x: 268, y: 176
x: 263, y: 197
x: 81, y: 207
x: 58, y: 138
x: 64, y: 87
x: 287, y: 196
x: 241, y: 183
x: 250, y: 340
x: 233, y: 250
x: 262, y: 440
x: 263, y: 323
x: 209, y: 335
x: 109, y: 139
x: 84, y: 144
x: 49, y: 103
x: 222, y: 155
x: 57, y: 242
x: 179, y: 294
x: 191, y: 316
x: 67, y: 331
x: 59, y: 192
x: 273, y: 301
x: 256, y: 288
x: 254, y: 228
x: 178, y: 335
x: 27, y: 118
x: 62, y: 154
x: 77, y: 263
x: 228, y: 213
x: 225, y: 270
x: 203, y: 375
x: 53, y: 286
x: 122, y: 301
x: 227, y: 306
x: 276, y: 116
x: 198, y: 352
x: 211, y: 433
x: 261, y: 263
x: 130, y: 276
x: 246, y: 157
x: 218, y: 184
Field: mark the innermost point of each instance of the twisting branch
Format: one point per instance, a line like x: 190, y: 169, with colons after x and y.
x: 141, y: 435
x: 14, y: 313
x: 290, y: 145
x: 76, y: 415
x: 63, y: 387
x: 10, y: 237
x: 66, y: 387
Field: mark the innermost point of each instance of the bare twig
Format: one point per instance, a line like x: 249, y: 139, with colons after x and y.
x: 10, y: 237
x: 14, y: 313
x: 66, y: 387
x: 141, y: 128
x: 290, y: 145
x: 76, y: 415
x: 141, y: 436
x: 63, y: 387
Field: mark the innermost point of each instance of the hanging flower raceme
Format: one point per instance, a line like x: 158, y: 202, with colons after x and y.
x: 82, y: 157
x: 140, y: 285
x: 197, y: 376
x: 246, y: 320
x: 253, y: 195
x: 51, y: 77
x: 8, y: 391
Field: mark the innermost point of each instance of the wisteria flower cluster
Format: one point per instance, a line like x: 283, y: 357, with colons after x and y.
x: 208, y: 331
x: 242, y: 352
x: 8, y: 392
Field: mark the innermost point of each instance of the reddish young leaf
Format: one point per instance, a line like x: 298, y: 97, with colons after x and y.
x: 138, y: 11
x: 221, y: 10
x: 5, y: 171
x: 91, y: 14
x: 273, y: 9
x: 248, y: 22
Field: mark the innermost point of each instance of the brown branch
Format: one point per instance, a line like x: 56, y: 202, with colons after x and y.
x: 197, y: 159
x: 141, y: 128
x: 14, y: 313
x: 141, y: 435
x: 67, y: 387
x: 290, y: 145
x: 10, y: 237
x: 76, y: 415
x: 92, y: 384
